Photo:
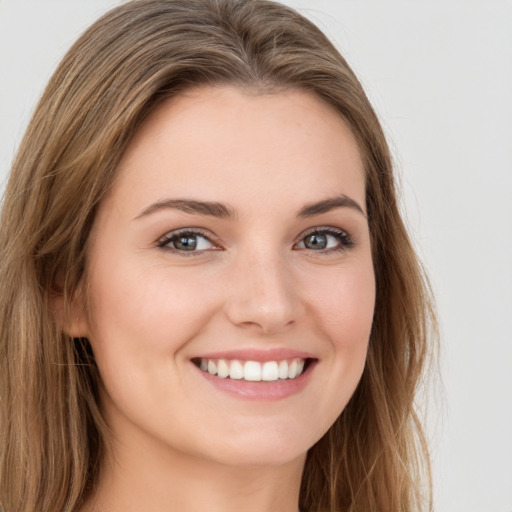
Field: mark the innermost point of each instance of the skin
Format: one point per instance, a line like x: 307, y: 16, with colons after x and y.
x: 180, y: 443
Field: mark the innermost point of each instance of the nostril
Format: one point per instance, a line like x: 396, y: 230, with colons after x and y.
x: 266, y: 301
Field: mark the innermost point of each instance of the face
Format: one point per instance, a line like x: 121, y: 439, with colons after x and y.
x: 230, y: 280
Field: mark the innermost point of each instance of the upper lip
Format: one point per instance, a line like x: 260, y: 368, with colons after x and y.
x: 275, y: 354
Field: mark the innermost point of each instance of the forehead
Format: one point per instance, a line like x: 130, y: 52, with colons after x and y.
x: 224, y: 144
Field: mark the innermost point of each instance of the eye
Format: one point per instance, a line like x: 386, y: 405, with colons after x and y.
x: 187, y: 241
x: 325, y: 240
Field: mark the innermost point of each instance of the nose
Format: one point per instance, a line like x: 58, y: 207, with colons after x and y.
x: 263, y: 295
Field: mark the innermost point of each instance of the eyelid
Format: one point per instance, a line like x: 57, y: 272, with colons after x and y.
x: 169, y: 236
x: 346, y: 240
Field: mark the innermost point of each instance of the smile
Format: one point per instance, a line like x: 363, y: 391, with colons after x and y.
x: 253, y: 371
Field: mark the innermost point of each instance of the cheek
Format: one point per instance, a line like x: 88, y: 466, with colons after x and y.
x: 147, y: 309
x: 345, y: 314
x: 341, y: 307
x: 345, y: 305
x: 140, y: 319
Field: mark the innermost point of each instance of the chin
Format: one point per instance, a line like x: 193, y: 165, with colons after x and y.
x: 273, y: 448
x: 263, y: 456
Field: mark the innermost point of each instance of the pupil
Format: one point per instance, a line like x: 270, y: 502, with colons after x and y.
x: 186, y: 243
x: 316, y: 242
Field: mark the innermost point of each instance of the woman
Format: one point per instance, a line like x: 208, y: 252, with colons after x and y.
x: 209, y: 297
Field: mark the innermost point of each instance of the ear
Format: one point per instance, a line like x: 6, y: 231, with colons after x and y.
x: 69, y: 312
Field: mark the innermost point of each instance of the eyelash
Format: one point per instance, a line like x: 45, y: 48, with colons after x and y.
x: 173, y: 236
x: 344, y: 239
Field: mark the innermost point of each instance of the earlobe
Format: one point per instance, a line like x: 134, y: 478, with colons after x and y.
x: 70, y: 313
x: 76, y: 326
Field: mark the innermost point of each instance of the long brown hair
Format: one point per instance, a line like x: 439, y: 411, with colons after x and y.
x: 374, y: 458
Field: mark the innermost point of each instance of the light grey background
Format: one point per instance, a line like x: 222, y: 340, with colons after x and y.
x: 440, y: 75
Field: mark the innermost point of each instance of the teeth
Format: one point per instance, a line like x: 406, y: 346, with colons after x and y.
x: 270, y: 371
x: 292, y: 369
x: 212, y: 367
x: 253, y: 371
x: 236, y: 370
x: 283, y: 369
x: 222, y: 369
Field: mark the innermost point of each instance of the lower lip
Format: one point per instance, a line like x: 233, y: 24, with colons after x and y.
x: 262, y: 390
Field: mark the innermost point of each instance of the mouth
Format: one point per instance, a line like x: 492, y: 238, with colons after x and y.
x: 254, y: 371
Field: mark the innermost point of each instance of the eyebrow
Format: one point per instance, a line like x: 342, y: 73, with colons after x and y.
x: 189, y: 206
x: 221, y: 210
x: 341, y: 201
